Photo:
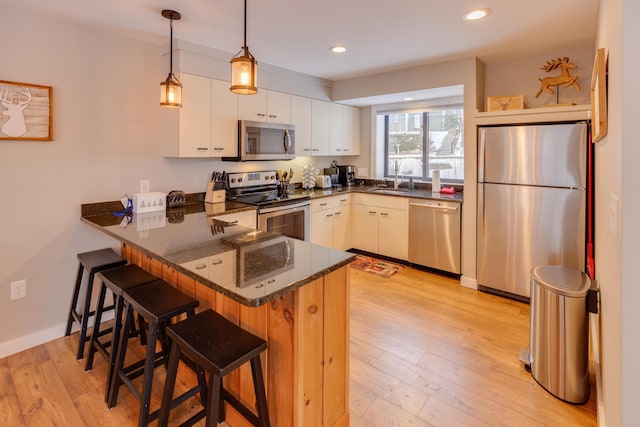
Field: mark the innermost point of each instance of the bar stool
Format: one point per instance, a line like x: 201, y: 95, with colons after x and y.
x: 116, y: 280
x: 93, y: 262
x: 157, y: 302
x: 218, y: 346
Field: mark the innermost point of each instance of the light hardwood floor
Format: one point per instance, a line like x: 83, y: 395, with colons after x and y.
x: 424, y: 351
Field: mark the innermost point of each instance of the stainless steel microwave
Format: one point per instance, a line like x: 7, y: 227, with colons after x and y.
x: 265, y: 141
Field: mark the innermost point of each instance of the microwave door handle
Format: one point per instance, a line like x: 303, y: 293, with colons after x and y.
x: 287, y: 141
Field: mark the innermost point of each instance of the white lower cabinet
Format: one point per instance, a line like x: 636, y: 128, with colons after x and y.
x: 381, y: 225
x: 331, y: 222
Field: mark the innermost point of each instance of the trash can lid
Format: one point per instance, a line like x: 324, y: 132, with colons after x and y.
x: 561, y: 280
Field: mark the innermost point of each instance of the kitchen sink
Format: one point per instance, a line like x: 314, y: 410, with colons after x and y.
x: 390, y: 190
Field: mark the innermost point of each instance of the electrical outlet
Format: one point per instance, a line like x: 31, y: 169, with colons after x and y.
x: 18, y: 289
x: 144, y: 185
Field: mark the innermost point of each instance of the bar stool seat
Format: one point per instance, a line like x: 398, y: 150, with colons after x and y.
x: 158, y: 303
x: 93, y: 262
x: 218, y: 346
x: 116, y: 280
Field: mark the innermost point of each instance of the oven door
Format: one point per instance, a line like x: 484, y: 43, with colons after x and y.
x: 289, y: 220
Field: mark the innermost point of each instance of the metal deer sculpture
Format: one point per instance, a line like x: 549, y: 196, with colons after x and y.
x: 563, y: 79
x: 15, y: 99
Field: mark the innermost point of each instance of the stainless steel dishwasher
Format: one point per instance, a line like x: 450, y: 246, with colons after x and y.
x: 434, y: 234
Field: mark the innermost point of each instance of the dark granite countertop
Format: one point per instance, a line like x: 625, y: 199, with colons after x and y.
x: 418, y: 193
x: 244, y: 264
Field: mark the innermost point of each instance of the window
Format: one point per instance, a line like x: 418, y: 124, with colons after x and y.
x: 420, y: 141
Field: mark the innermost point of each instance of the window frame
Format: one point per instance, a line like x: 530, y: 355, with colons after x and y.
x: 424, y: 110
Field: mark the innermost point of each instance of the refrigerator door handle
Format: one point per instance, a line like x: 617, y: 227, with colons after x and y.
x: 481, y: 215
x: 481, y: 142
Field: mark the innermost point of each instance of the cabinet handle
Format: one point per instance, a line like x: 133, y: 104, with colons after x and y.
x: 329, y: 215
x: 323, y: 204
x: 338, y: 149
x: 202, y: 149
x: 343, y: 200
x: 345, y: 149
x: 272, y: 116
x: 308, y: 149
x: 261, y: 115
x: 216, y: 262
x: 271, y: 280
x: 384, y: 214
x: 338, y: 213
x: 201, y: 266
x: 218, y: 148
x: 316, y: 149
x: 373, y: 212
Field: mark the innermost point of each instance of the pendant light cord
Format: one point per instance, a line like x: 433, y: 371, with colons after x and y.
x: 171, y: 47
x: 245, y: 25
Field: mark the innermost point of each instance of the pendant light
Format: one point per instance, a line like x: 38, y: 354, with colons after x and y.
x: 171, y: 88
x: 244, y: 67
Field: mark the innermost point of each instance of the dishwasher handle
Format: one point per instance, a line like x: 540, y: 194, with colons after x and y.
x: 437, y: 205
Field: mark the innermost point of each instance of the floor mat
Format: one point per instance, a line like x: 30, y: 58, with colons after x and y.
x: 376, y: 266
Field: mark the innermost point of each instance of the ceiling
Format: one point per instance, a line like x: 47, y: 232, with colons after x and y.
x: 379, y: 35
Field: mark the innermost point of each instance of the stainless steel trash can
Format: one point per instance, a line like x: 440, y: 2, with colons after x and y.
x: 559, y: 334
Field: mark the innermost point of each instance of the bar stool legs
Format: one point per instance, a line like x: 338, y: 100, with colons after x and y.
x: 219, y: 347
x: 93, y: 262
x: 157, y: 302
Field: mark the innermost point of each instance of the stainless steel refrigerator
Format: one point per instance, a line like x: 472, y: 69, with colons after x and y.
x: 531, y: 203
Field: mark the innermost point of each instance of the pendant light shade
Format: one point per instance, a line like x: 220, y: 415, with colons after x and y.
x: 244, y: 67
x: 171, y: 88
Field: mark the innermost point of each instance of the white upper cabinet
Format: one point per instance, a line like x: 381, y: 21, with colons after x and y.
x: 320, y: 127
x: 350, y: 130
x: 224, y: 120
x: 301, y: 118
x: 345, y: 130
x: 265, y: 106
x: 194, y: 123
x: 207, y: 123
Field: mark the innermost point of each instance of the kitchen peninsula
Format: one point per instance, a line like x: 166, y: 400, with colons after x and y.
x: 292, y: 293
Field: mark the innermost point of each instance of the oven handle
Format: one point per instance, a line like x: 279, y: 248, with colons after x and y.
x: 284, y: 207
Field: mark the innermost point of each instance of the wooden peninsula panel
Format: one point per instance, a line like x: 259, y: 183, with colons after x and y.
x: 306, y: 365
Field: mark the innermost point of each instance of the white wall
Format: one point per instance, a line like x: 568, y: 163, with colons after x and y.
x: 617, y: 175
x: 107, y: 136
x: 519, y: 76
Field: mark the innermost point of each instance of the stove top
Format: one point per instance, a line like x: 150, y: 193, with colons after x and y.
x: 259, y: 189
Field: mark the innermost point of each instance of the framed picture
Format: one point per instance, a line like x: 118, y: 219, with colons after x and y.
x: 599, y: 96
x: 26, y: 112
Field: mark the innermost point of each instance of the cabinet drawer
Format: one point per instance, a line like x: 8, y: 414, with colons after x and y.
x: 330, y: 202
x: 401, y: 203
x: 246, y: 219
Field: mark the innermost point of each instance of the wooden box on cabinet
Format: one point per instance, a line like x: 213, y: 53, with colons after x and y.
x: 504, y: 103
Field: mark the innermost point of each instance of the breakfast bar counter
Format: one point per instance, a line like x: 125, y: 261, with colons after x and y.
x: 292, y: 293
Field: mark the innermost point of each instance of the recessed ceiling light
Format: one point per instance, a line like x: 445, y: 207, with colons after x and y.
x: 408, y: 98
x: 338, y: 49
x: 475, y: 14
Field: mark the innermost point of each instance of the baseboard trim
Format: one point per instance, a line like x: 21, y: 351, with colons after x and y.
x: 594, y: 329
x: 25, y: 342
x: 28, y: 341
x: 468, y: 282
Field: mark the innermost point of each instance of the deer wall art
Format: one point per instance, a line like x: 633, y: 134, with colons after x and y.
x: 25, y: 111
x: 563, y: 79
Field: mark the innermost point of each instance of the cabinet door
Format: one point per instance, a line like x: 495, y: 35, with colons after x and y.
x: 301, y: 118
x: 350, y: 130
x: 335, y: 132
x: 222, y: 268
x: 320, y: 124
x: 342, y: 222
x: 224, y: 120
x: 321, y: 225
x: 195, y: 117
x: 253, y: 107
x: 365, y: 228
x: 278, y: 107
x: 393, y: 233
